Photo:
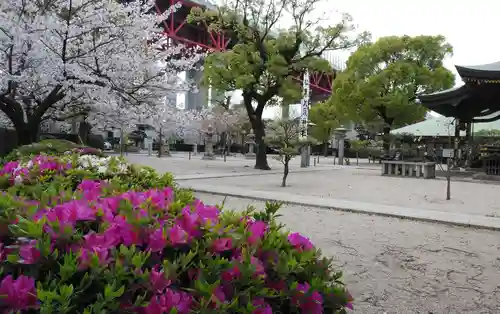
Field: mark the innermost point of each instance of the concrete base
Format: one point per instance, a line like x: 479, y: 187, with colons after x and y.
x: 208, y: 157
x: 250, y: 156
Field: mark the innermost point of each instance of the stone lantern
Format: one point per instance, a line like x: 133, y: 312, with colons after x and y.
x: 209, y: 149
x: 340, y: 134
x: 251, y: 144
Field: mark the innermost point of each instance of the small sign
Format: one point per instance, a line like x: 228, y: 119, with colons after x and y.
x: 447, y: 152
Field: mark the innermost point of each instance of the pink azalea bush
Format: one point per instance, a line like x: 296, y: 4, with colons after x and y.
x: 105, y: 248
x: 33, y: 177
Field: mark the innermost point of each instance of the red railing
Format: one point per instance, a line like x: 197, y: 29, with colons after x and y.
x: 177, y: 29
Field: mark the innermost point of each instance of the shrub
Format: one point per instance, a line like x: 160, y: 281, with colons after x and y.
x: 43, y: 174
x: 52, y: 147
x: 158, y: 252
x: 99, y: 235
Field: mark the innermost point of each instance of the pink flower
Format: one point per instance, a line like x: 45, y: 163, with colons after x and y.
x: 120, y: 231
x: 165, y: 303
x: 349, y: 301
x: 86, y: 255
x: 231, y: 274
x: 157, y: 240
x: 261, y: 307
x: 221, y: 245
x: 91, y: 189
x: 257, y: 229
x: 206, y: 213
x: 19, y: 294
x: 177, y: 235
x: 189, y: 221
x: 29, y: 253
x: 311, y: 303
x: 157, y: 280
x: 257, y: 263
x: 300, y: 242
x: 218, y: 296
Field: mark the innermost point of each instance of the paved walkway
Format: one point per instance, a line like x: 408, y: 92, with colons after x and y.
x: 466, y: 220
x: 368, y: 186
x: 397, y: 266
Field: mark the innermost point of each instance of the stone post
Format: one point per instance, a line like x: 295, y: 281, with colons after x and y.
x: 209, y: 149
x: 340, y: 136
x: 251, y: 143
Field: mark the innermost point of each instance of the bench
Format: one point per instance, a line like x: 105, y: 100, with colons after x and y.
x: 426, y: 170
x: 385, y: 157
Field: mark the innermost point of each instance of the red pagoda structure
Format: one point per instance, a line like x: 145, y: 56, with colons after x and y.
x: 179, y: 30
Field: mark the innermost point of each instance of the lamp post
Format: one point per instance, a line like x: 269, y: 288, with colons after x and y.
x: 251, y: 143
x: 340, y: 134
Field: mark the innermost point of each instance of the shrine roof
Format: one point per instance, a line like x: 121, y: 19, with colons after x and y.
x: 448, y: 95
x: 465, y: 102
x: 442, y: 126
x: 490, y: 71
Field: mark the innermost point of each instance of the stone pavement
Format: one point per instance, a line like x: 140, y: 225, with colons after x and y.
x: 398, y: 266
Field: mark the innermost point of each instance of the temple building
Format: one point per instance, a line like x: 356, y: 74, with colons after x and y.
x: 477, y: 101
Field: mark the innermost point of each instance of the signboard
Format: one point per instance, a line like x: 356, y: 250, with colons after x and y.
x: 447, y: 152
x: 304, y: 116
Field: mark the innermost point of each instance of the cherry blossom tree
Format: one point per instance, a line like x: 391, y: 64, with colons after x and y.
x: 223, y: 122
x: 115, y: 114
x: 169, y: 122
x: 62, y: 58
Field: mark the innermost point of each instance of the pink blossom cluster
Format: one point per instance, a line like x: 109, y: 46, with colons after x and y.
x: 19, y: 172
x: 147, y: 221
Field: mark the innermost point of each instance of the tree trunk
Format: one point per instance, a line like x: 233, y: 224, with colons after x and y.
x: 26, y: 135
x: 122, y: 140
x: 386, y: 139
x: 83, y: 132
x: 325, y: 149
x: 160, y: 146
x: 261, y: 155
x: 285, y: 173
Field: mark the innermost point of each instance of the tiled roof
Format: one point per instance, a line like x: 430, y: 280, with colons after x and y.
x: 442, y: 126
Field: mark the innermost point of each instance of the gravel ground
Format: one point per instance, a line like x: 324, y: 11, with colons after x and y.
x: 399, y: 266
x: 179, y: 164
x: 364, y: 185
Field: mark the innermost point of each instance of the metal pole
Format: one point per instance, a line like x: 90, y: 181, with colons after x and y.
x: 304, y: 119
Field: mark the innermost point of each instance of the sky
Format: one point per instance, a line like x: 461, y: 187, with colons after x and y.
x: 469, y: 26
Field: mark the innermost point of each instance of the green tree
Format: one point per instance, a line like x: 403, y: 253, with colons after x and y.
x: 383, y: 79
x: 265, y: 60
x: 357, y: 145
x: 283, y: 136
x: 325, y: 118
x: 487, y: 133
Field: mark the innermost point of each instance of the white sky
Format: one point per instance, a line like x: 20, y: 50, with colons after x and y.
x: 469, y: 26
